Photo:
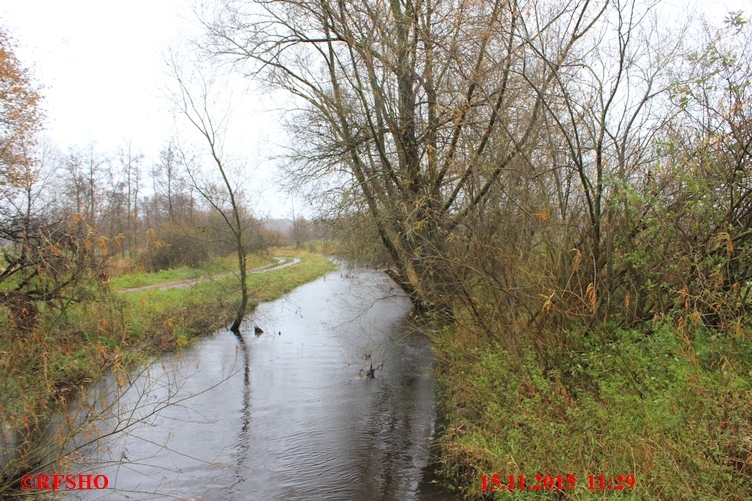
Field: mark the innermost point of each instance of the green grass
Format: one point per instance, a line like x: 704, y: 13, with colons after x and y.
x: 72, y: 344
x: 141, y: 279
x: 116, y: 331
x: 176, y: 316
x: 674, y: 409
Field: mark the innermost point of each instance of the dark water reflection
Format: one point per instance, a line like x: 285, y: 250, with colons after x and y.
x: 300, y: 420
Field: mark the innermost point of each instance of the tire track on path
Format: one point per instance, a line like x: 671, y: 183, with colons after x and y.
x: 282, y: 262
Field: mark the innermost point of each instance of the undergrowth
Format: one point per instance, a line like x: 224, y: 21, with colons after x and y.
x: 671, y: 406
x: 43, y: 369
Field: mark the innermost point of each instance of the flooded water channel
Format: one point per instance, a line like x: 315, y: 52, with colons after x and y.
x: 299, y: 420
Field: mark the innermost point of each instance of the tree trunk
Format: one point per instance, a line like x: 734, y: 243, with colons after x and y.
x: 235, y: 328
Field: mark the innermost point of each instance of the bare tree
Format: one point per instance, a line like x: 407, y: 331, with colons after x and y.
x: 601, y: 120
x: 167, y: 167
x: 130, y: 164
x: 415, y: 110
x: 194, y: 101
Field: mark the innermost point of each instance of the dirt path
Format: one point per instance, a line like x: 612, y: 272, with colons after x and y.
x: 282, y: 262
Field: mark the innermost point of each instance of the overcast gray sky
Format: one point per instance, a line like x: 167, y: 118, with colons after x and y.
x: 101, y: 64
x: 103, y: 74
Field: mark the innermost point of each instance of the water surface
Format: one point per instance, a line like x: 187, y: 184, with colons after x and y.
x: 300, y: 420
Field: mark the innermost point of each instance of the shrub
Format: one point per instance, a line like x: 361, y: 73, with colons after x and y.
x: 174, y: 246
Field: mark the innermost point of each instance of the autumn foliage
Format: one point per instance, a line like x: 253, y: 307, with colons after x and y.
x: 20, y: 115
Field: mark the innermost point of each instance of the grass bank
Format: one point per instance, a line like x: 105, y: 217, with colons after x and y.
x: 41, y: 369
x: 172, y: 318
x: 671, y: 406
x: 216, y: 266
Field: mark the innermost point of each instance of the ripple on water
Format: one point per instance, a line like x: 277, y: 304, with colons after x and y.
x: 300, y: 422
